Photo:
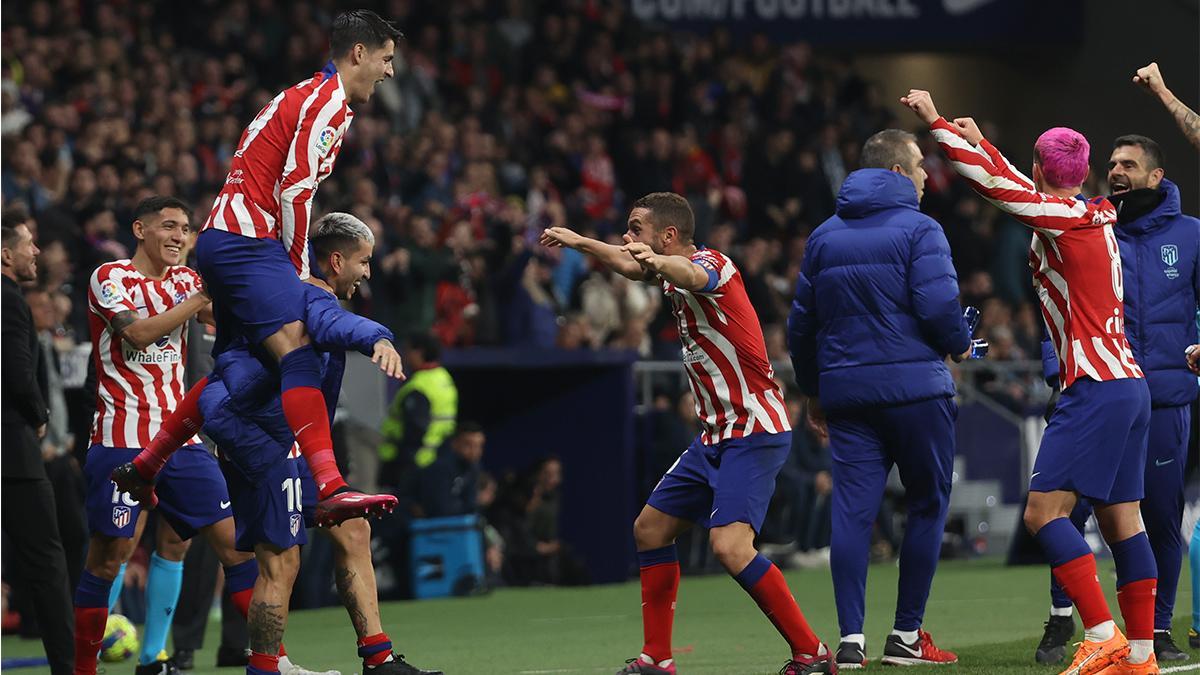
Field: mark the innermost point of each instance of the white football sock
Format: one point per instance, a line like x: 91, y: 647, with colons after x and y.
x: 1100, y: 632
x: 1062, y: 611
x: 908, y: 636
x: 1140, y: 650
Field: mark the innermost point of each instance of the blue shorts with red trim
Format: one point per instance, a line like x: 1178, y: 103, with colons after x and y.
x: 191, y: 492
x: 729, y: 482
x: 1095, y: 444
x: 253, y: 284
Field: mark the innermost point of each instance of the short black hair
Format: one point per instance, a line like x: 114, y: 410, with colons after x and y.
x: 670, y: 210
x: 886, y: 149
x: 427, y: 345
x: 157, y: 203
x: 1154, y: 153
x: 360, y: 26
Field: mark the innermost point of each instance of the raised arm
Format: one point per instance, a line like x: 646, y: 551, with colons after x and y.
x: 991, y: 175
x: 1189, y: 122
x: 612, y: 257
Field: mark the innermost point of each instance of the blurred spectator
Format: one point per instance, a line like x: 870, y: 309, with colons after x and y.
x: 528, y: 520
x: 449, y: 486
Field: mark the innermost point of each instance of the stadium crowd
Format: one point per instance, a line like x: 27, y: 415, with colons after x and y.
x: 497, y: 125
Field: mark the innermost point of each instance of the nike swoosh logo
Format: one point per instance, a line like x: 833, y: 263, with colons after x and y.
x: 915, y: 652
x: 1035, y: 475
x: 714, y: 513
x: 301, y: 429
x: 1159, y: 462
x: 960, y: 7
x: 225, y: 505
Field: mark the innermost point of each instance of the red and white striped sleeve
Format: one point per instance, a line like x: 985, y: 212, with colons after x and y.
x: 316, y: 129
x: 720, y: 269
x: 995, y: 178
x: 106, y: 294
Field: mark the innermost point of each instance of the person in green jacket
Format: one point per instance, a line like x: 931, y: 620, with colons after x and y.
x: 422, y: 415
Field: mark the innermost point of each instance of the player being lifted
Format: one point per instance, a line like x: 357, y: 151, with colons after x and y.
x: 253, y: 255
x: 725, y: 479
x: 1095, y: 444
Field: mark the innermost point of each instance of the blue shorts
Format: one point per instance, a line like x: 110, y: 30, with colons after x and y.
x: 268, y: 510
x: 253, y: 284
x: 191, y: 492
x: 730, y: 482
x: 1095, y: 444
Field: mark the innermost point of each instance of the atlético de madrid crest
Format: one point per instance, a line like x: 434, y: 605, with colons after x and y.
x: 121, y: 516
x: 1170, y: 255
x: 297, y: 520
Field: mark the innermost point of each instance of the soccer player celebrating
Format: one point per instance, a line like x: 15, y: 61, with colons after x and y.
x: 1095, y: 444
x: 724, y: 480
x: 138, y: 309
x: 1160, y: 258
x: 253, y: 254
x: 242, y: 414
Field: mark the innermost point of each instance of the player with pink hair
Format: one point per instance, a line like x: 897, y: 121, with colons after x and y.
x: 1095, y: 443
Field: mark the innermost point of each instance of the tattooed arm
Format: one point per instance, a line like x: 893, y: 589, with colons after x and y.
x: 141, y: 333
x: 1187, y: 119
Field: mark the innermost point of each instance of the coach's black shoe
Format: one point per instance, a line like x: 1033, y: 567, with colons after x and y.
x: 164, y: 667
x: 850, y: 656
x: 232, y: 657
x: 1165, y: 648
x: 397, y: 666
x: 1193, y: 638
x: 1053, y: 647
x: 185, y: 659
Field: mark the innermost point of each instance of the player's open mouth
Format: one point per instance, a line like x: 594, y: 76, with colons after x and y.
x: 1118, y: 187
x: 174, y: 249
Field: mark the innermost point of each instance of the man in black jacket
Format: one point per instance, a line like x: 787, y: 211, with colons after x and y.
x: 27, y: 499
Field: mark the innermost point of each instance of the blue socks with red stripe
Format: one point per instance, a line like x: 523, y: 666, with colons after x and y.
x: 1137, y: 582
x: 91, y: 615
x: 162, y: 594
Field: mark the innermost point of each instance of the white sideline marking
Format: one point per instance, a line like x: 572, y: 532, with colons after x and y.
x: 1180, y: 669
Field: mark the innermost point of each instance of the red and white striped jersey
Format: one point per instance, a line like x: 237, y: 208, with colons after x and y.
x: 725, y: 355
x: 136, y: 390
x: 283, y: 156
x: 1074, y: 256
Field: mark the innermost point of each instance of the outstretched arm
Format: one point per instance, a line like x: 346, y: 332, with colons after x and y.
x: 613, y: 257
x: 993, y: 176
x: 1189, y: 122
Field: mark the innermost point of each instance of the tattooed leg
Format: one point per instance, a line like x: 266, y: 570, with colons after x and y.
x: 267, y: 617
x: 354, y: 574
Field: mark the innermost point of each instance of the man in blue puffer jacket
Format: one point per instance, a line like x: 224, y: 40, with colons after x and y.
x: 876, y: 314
x: 1160, y: 256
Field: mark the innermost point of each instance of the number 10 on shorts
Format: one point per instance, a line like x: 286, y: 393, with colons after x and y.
x: 291, y: 487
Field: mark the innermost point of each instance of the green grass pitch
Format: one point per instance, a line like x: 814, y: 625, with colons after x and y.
x: 990, y: 614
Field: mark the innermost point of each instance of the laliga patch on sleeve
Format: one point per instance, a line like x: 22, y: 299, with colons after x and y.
x: 325, y: 140
x: 110, y: 294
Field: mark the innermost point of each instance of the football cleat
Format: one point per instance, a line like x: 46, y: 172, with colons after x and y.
x: 645, y: 664
x: 129, y: 479
x: 1058, y: 634
x: 347, y: 504
x: 397, y: 666
x: 823, y: 663
x: 1124, y: 667
x: 921, y: 652
x: 1093, y: 657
